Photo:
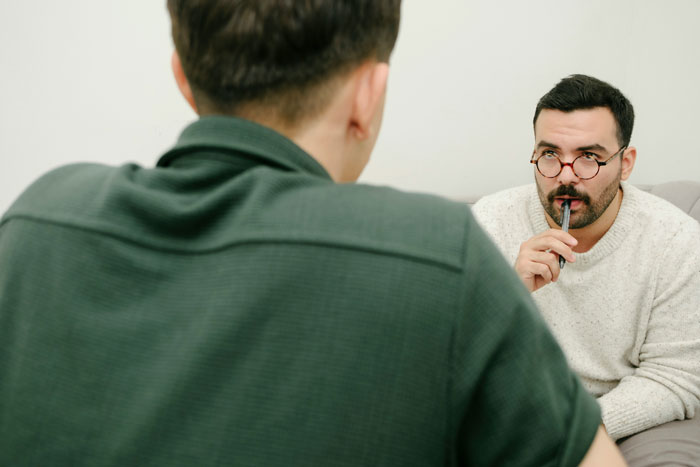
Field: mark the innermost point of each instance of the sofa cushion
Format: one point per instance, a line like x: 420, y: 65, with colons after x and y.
x: 684, y: 194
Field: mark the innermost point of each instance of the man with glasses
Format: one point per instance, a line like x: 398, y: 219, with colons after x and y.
x: 626, y: 307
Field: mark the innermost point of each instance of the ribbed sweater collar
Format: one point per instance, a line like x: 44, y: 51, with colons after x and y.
x: 613, y: 238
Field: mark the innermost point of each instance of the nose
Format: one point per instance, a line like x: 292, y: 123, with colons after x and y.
x: 567, y: 175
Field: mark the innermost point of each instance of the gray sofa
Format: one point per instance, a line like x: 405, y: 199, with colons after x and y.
x: 684, y: 194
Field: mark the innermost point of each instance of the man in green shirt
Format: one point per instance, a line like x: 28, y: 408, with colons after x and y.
x: 241, y: 304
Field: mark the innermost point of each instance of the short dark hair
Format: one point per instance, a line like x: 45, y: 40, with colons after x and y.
x: 275, y: 52
x: 577, y: 92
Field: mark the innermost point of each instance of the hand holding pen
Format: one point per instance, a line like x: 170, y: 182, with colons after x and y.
x: 541, y: 258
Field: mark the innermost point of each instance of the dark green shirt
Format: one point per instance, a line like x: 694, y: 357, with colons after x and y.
x: 234, y: 306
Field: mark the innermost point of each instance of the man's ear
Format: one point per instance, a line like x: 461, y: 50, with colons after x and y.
x: 181, y: 80
x: 368, y: 98
x: 629, y: 156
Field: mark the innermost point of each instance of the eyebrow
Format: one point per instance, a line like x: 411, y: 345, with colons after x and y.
x: 595, y: 147
x: 547, y: 144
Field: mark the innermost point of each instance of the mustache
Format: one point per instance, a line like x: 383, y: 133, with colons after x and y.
x: 568, y: 190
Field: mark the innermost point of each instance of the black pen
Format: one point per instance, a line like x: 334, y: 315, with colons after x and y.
x: 566, y: 208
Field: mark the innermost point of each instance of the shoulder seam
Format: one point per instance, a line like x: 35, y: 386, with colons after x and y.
x: 346, y: 244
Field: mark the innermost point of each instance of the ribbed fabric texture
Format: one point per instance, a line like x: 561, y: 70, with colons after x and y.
x: 627, y: 312
x: 234, y: 306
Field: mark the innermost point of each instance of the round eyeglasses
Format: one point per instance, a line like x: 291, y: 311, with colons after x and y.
x: 584, y: 166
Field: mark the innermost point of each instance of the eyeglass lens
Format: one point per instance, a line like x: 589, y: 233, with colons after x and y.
x: 551, y: 166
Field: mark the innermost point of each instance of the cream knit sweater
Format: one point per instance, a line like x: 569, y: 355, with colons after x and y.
x: 627, y: 312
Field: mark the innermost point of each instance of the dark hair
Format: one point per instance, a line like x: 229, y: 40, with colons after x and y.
x: 275, y: 52
x: 577, y: 92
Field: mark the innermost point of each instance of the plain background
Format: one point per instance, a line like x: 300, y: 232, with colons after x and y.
x: 89, y: 80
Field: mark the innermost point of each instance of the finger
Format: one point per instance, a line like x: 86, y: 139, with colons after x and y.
x: 553, y: 264
x: 563, y: 250
x: 564, y: 237
x: 544, y: 244
x: 536, y: 263
x: 542, y: 270
x: 551, y: 260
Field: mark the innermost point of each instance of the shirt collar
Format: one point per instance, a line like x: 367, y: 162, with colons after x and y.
x: 238, y: 137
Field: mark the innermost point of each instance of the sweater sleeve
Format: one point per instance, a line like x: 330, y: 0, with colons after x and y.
x: 485, y: 215
x: 488, y: 214
x: 665, y: 386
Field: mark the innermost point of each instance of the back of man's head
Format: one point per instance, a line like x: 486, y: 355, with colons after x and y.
x: 276, y: 55
x: 580, y: 92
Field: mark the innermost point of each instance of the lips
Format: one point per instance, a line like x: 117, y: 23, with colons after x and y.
x: 575, y: 202
x: 564, y: 192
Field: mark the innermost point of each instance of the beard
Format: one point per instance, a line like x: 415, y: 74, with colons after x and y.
x: 592, y: 208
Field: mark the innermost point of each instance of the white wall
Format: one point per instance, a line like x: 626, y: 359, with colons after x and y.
x: 89, y: 80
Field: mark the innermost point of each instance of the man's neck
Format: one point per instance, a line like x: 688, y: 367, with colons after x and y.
x: 590, y: 235
x: 323, y: 137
